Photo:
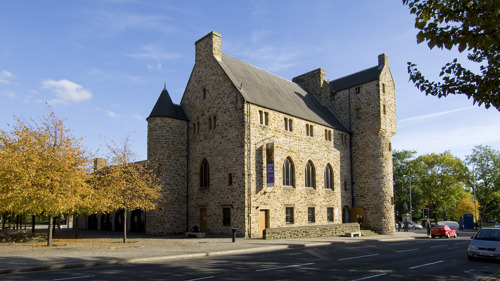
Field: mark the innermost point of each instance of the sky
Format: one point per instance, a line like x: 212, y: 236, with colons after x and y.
x: 101, y: 65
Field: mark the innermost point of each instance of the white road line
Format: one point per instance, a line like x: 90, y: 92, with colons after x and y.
x: 72, y: 278
x: 202, y: 278
x: 282, y: 267
x: 409, y: 250
x: 439, y: 246
x: 358, y: 257
x: 369, y: 277
x: 294, y: 254
x: 427, y: 264
x: 364, y: 247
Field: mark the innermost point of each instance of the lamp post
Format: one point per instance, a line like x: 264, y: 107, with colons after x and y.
x: 411, y: 207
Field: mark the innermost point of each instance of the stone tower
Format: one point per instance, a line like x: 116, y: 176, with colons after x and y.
x: 167, y: 151
x: 366, y: 103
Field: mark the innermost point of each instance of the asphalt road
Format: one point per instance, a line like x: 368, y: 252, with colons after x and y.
x: 420, y: 259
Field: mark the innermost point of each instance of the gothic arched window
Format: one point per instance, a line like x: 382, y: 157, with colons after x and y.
x: 204, y: 174
x: 328, y: 177
x: 310, y: 175
x: 288, y: 172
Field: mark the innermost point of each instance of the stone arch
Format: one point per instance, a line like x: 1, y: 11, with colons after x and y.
x: 346, y: 214
x: 288, y: 172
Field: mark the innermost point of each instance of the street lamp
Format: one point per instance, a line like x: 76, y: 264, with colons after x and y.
x: 411, y: 207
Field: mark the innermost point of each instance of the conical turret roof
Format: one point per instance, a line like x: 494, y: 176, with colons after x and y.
x: 164, y: 107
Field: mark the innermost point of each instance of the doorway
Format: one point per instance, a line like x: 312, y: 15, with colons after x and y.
x: 263, y: 222
x: 203, y: 219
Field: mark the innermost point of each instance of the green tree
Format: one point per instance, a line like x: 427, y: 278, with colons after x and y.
x: 126, y: 184
x: 472, y: 26
x: 43, y: 170
x: 405, y: 168
x: 485, y: 179
x: 442, y: 180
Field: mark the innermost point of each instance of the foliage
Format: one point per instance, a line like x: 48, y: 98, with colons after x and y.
x: 465, y: 206
x: 404, y: 169
x: 485, y: 178
x: 125, y: 184
x: 43, y: 169
x: 472, y: 26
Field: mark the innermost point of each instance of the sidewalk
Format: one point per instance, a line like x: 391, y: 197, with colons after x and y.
x: 109, y: 248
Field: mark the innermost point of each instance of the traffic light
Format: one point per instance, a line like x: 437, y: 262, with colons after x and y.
x: 426, y: 213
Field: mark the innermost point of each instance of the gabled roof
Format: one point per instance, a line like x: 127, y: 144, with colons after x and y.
x: 358, y: 78
x: 264, y: 89
x: 164, y: 107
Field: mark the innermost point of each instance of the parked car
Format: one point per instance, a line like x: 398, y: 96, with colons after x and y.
x: 414, y: 225
x: 443, y: 231
x: 485, y: 244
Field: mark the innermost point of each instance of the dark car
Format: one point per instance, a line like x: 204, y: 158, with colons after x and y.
x: 485, y: 244
x: 443, y: 231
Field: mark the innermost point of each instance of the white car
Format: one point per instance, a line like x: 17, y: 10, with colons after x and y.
x: 413, y: 225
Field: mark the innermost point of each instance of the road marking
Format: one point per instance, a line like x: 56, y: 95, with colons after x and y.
x: 409, y: 250
x: 369, y: 277
x: 71, y: 278
x: 202, y: 278
x: 358, y: 257
x: 294, y: 254
x: 364, y: 247
x: 216, y: 262
x: 427, y: 264
x: 289, y: 266
x: 439, y: 246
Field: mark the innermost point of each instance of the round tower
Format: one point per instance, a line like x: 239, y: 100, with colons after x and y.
x: 167, y: 152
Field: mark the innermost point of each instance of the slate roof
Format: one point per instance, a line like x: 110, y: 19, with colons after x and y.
x: 358, y: 78
x: 164, y: 107
x: 265, y: 89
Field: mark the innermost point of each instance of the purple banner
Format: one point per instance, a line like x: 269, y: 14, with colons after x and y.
x: 270, y: 164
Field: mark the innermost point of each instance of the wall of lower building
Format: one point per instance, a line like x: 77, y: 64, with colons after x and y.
x: 320, y: 149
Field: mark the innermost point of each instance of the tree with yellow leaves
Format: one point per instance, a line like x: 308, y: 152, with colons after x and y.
x: 43, y: 170
x: 466, y: 206
x: 126, y: 184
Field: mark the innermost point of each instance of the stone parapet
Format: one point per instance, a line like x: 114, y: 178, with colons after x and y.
x: 332, y: 230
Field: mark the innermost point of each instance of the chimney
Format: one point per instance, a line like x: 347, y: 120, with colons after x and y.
x: 208, y: 45
x: 99, y: 163
x: 315, y: 82
x: 383, y: 60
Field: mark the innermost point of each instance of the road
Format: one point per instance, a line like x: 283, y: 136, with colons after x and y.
x: 420, y: 259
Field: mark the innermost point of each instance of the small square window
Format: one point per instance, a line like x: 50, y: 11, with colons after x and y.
x: 230, y: 179
x: 266, y: 118
x: 204, y: 93
x: 311, y: 215
x: 383, y: 88
x: 159, y: 168
x: 358, y: 90
x: 226, y: 216
x: 289, y: 215
x: 329, y: 214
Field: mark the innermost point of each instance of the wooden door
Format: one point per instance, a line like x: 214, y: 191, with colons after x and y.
x: 203, y: 219
x: 263, y: 222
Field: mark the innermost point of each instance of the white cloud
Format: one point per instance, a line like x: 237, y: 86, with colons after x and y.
x: 5, y: 76
x: 10, y: 94
x: 426, y: 117
x: 112, y: 114
x: 138, y: 117
x: 66, y: 91
x: 154, y: 53
x: 155, y: 67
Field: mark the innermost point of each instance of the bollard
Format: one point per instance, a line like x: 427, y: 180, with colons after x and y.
x: 234, y: 234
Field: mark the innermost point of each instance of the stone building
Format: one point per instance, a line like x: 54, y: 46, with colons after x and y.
x: 249, y: 150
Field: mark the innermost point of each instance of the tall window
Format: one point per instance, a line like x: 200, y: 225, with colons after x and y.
x: 204, y: 174
x: 309, y: 130
x: 288, y: 124
x: 289, y: 215
x: 226, y: 216
x: 310, y: 175
x: 288, y: 172
x: 328, y: 177
x: 311, y: 214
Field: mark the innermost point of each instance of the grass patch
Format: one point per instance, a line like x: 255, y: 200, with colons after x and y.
x: 22, y: 237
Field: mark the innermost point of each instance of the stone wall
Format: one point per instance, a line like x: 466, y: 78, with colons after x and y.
x: 334, y: 230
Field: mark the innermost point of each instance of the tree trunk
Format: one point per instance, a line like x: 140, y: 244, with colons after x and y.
x: 33, y: 220
x: 125, y: 226
x: 49, y: 234
x: 75, y: 225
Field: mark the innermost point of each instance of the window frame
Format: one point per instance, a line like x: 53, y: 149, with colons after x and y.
x: 289, y: 215
x: 204, y: 174
x: 310, y: 175
x: 311, y: 214
x: 226, y: 216
x: 329, y: 180
x: 288, y: 172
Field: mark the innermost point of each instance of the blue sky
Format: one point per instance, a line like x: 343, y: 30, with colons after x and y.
x: 102, y: 64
